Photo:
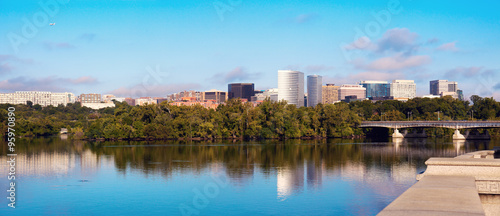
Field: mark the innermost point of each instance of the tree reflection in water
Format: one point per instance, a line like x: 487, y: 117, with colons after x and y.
x: 295, y: 164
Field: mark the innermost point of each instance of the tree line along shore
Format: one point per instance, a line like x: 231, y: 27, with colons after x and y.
x: 238, y: 120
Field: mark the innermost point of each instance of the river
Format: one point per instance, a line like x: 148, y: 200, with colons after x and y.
x: 56, y: 176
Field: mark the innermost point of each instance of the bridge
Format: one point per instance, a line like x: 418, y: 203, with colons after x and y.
x: 396, y: 125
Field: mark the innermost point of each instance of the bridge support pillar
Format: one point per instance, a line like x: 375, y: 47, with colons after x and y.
x: 458, y: 136
x: 397, y: 134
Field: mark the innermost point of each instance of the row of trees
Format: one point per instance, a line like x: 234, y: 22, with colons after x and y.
x: 240, y: 120
x: 231, y: 120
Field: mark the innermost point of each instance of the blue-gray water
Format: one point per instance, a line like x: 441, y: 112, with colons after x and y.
x: 296, y: 177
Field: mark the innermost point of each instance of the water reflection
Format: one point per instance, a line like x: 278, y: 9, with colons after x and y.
x: 294, y: 161
x: 371, y: 173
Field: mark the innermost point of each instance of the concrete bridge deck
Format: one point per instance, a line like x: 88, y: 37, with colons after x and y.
x: 431, y: 124
x: 396, y: 125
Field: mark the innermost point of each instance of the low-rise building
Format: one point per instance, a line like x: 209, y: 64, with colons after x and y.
x: 352, y: 90
x: 216, y: 95
x: 452, y: 94
x: 41, y: 98
x: 90, y: 98
x: 144, y: 100
x: 130, y: 101
x: 160, y: 100
x: 431, y: 96
x: 200, y: 96
x: 107, y: 97
x: 118, y: 99
x: 98, y: 105
x: 272, y: 94
x: 191, y: 101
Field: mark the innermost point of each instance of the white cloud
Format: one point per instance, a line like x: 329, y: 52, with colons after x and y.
x: 141, y: 90
x: 53, y: 46
x: 448, y: 47
x: 397, y: 39
x: 238, y: 74
x: 51, y: 83
x: 396, y: 62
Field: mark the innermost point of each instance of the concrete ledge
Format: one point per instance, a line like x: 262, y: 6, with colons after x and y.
x: 481, y: 165
x: 463, y: 162
x: 438, y: 195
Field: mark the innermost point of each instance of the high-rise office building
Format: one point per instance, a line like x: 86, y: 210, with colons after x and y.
x: 314, y: 90
x: 217, y: 96
x: 376, y: 89
x: 352, y: 90
x: 241, y: 90
x: 291, y: 87
x: 439, y: 86
x: 330, y: 94
x: 403, y: 89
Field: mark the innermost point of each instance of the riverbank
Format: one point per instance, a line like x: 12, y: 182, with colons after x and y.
x: 210, y: 139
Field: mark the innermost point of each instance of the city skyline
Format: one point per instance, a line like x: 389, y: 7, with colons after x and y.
x: 291, y: 82
x: 154, y: 48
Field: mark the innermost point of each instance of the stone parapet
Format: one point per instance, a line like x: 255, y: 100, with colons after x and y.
x: 481, y: 165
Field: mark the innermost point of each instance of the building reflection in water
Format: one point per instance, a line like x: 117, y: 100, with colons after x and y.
x: 386, y: 168
x: 290, y: 180
x: 314, y: 175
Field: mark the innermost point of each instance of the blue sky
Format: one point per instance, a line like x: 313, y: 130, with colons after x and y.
x: 153, y: 48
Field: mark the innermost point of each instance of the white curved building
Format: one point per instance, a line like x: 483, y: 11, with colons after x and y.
x: 314, y: 90
x: 291, y: 87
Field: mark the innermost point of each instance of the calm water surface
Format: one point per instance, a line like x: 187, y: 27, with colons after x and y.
x: 296, y: 177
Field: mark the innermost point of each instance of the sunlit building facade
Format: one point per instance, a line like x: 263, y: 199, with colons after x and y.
x: 216, y: 95
x: 314, y: 90
x: 291, y: 87
x: 403, y: 89
x: 41, y: 98
x: 439, y: 86
x: 330, y: 94
x: 90, y: 98
x: 272, y: 94
x: 352, y: 90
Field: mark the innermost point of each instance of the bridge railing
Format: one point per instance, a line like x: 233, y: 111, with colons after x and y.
x: 444, y: 124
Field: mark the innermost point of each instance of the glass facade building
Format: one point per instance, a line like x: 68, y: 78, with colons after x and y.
x: 376, y: 89
x: 241, y: 90
x: 314, y: 91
